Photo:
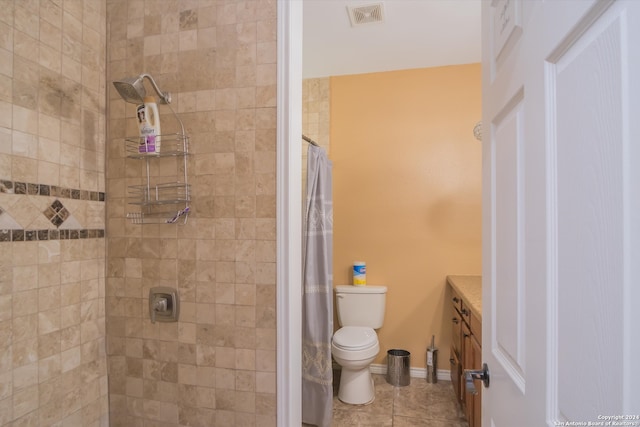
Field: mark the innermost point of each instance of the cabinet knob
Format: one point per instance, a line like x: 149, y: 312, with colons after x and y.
x: 455, y: 320
x: 456, y: 300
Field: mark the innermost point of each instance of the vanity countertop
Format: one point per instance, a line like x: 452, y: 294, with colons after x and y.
x: 470, y: 289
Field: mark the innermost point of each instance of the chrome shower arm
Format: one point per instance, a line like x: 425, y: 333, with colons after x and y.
x: 164, y: 96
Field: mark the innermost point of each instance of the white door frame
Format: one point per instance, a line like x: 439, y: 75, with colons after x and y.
x: 289, y: 214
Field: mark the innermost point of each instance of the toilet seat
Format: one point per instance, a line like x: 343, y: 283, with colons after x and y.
x: 355, y: 338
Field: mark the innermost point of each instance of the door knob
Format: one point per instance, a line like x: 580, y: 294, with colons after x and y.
x: 480, y: 374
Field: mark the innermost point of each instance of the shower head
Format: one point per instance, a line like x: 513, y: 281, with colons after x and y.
x: 132, y: 89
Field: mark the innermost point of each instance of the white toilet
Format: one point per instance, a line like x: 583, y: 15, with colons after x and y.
x: 355, y: 345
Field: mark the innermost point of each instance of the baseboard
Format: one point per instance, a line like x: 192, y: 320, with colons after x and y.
x: 443, y: 374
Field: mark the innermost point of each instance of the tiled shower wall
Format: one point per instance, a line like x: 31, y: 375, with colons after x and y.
x: 53, y: 368
x: 216, y: 366
x: 316, y: 107
x: 316, y: 120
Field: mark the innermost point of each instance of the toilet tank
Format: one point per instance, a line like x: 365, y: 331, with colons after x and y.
x: 361, y: 305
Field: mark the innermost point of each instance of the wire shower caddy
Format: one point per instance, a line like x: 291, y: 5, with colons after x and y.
x: 166, y: 202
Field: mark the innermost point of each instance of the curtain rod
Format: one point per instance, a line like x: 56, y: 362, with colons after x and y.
x: 309, y: 140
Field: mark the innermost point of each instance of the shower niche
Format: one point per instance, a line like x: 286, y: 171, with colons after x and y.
x: 165, y: 194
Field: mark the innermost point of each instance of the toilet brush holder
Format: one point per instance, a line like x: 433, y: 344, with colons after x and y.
x: 432, y: 362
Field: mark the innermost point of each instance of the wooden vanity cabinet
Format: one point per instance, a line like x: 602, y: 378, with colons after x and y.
x: 467, y: 362
x: 456, y: 374
x: 475, y: 401
x: 466, y: 353
x: 472, y: 335
x: 455, y: 354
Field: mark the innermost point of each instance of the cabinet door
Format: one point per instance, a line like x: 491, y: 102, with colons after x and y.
x: 456, y: 339
x: 456, y: 353
x: 467, y: 363
x: 475, y: 420
x: 456, y: 300
x: 456, y: 372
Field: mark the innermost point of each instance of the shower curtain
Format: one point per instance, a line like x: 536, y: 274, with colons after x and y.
x: 317, y: 298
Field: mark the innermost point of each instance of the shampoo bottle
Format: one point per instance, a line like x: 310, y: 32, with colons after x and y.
x: 149, y: 125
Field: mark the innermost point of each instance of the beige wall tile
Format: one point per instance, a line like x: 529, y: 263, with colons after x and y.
x: 25, y: 303
x: 25, y: 376
x: 215, y: 274
x: 25, y: 401
x: 6, y: 410
x: 49, y: 368
x: 70, y: 337
x: 24, y: 327
x: 6, y: 310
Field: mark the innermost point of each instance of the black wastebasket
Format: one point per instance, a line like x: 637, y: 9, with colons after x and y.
x: 398, y: 366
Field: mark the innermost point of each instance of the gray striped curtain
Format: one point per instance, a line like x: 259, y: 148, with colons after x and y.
x: 317, y: 298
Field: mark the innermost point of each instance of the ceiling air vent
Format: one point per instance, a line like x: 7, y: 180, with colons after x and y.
x: 368, y: 14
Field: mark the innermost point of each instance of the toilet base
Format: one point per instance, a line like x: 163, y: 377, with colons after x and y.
x: 356, y: 386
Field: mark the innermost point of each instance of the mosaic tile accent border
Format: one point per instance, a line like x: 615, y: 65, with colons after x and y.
x: 40, y: 235
x: 56, y: 213
x: 28, y: 188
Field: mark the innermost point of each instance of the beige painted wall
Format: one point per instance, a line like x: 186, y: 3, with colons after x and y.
x: 407, y: 193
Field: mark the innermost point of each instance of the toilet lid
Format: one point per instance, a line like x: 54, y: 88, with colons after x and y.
x: 355, y: 337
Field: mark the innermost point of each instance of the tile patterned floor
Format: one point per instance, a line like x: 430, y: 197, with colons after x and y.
x: 419, y: 404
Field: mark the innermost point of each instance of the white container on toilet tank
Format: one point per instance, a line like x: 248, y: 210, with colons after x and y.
x: 359, y: 273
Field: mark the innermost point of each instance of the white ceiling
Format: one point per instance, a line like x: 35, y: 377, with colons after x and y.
x: 414, y: 34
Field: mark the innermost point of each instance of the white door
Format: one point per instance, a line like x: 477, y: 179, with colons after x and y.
x: 561, y: 215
